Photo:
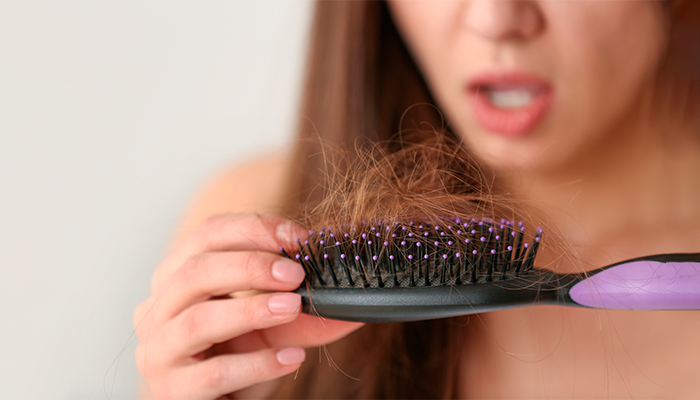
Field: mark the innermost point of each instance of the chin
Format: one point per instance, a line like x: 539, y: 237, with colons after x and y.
x: 501, y: 154
x: 538, y: 151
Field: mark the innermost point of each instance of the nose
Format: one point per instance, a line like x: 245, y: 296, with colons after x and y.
x: 503, y: 19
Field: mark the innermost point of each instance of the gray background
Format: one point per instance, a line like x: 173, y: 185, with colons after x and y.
x: 112, y: 115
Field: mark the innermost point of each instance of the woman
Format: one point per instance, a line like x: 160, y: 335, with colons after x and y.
x: 585, y: 111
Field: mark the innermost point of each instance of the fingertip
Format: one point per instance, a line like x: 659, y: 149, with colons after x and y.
x: 288, y: 232
x: 284, y: 303
x: 285, y: 270
x: 291, y: 355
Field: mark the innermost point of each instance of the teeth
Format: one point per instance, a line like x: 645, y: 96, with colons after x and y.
x: 510, y: 98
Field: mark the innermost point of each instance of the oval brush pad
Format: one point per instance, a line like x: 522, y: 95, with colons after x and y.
x: 391, y: 271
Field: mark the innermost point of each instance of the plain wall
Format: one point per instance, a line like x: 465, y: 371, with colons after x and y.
x: 112, y: 115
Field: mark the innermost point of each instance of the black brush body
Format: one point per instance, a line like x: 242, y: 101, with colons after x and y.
x: 392, y: 272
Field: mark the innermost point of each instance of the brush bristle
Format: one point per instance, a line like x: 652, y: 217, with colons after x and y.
x: 453, y: 251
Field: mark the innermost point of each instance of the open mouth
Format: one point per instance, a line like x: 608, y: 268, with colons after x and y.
x: 509, y: 104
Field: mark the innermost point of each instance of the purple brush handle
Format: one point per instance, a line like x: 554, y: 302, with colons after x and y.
x: 642, y: 285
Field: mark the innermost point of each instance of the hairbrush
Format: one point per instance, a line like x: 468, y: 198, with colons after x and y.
x: 394, y: 271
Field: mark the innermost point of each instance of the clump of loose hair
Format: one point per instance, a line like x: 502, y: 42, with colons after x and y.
x: 405, y: 179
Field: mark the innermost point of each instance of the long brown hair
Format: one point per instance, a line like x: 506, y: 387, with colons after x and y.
x: 362, y: 86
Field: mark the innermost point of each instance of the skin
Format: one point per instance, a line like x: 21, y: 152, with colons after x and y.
x: 196, y: 341
x: 588, y: 167
x: 610, y: 175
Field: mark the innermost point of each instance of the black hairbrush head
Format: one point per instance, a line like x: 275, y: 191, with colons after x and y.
x: 382, y: 254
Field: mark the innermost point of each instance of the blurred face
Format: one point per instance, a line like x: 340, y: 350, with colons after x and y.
x: 535, y: 84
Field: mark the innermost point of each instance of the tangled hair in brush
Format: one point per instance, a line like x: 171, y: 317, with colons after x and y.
x: 427, y: 176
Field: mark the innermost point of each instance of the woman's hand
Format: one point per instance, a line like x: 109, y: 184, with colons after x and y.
x: 196, y: 342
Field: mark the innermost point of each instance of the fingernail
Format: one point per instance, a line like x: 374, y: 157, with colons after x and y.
x: 287, y: 271
x: 291, y: 355
x: 284, y: 303
x: 286, y: 232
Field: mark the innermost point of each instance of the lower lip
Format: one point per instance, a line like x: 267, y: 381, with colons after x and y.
x: 510, y: 121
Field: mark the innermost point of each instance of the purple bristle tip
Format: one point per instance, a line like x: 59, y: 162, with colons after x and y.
x: 493, y: 251
x: 436, y: 243
x: 374, y: 258
x: 342, y: 256
x: 449, y: 243
x: 357, y: 258
x: 391, y: 257
x: 418, y: 244
x: 322, y: 242
x: 306, y: 258
x: 483, y: 239
x: 410, y: 256
x: 337, y: 243
x: 444, y: 256
x: 510, y: 248
x: 403, y: 243
x: 364, y: 236
x: 456, y: 255
x: 298, y: 256
x: 426, y: 256
x: 526, y: 245
x: 325, y: 256
x: 475, y: 252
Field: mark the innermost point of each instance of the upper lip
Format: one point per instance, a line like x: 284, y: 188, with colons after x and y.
x: 508, y: 79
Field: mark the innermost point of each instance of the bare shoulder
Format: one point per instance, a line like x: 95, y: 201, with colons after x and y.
x: 255, y: 186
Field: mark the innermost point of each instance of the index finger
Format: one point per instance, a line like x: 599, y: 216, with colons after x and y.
x: 231, y: 232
